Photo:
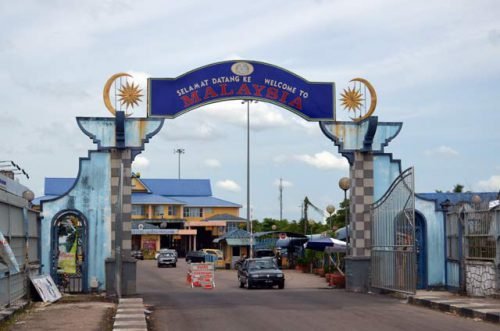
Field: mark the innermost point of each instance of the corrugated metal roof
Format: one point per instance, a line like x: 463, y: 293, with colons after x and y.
x: 206, y: 201
x: 190, y: 192
x: 167, y: 187
x: 38, y: 200
x: 153, y: 199
x: 179, y: 187
x: 225, y: 217
x: 58, y: 186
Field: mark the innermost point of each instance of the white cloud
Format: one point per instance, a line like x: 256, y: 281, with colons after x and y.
x: 262, y: 115
x: 212, y: 163
x: 140, y: 163
x: 228, y: 185
x: 191, y: 131
x: 285, y: 183
x: 491, y: 184
x: 140, y: 78
x: 324, y: 160
x: 442, y: 151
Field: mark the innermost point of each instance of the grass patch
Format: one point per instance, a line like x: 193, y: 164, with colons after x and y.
x: 7, y: 323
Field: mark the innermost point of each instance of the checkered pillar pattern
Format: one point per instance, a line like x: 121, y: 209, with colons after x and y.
x: 118, y: 157
x: 361, y: 198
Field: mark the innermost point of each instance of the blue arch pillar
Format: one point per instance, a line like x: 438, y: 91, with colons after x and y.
x: 371, y: 171
x: 95, y: 193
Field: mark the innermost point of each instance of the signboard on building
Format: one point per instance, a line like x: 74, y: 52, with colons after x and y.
x: 154, y: 231
x: 240, y: 80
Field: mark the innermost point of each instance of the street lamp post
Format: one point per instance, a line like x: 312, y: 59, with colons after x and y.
x: 345, y: 184
x: 330, y: 209
x: 179, y: 151
x: 249, y: 221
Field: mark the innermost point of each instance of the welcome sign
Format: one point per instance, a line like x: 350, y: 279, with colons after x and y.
x: 240, y: 80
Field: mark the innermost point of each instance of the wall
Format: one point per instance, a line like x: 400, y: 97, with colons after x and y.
x: 480, y: 278
x: 91, y: 197
x: 435, y: 241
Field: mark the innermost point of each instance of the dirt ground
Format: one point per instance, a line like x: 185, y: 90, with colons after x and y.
x: 84, y: 314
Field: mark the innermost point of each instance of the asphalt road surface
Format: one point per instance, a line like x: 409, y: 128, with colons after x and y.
x: 305, y: 304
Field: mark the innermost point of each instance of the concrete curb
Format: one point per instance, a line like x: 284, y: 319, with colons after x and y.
x: 462, y: 307
x: 6, y: 313
x: 130, y: 315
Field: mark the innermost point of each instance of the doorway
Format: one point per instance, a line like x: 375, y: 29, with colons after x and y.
x: 421, y: 248
x: 69, y: 252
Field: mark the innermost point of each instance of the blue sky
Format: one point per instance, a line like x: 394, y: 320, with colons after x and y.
x: 434, y: 64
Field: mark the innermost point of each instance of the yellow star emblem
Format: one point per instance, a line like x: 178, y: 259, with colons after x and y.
x: 352, y: 99
x: 130, y: 95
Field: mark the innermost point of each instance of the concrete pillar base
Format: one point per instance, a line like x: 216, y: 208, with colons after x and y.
x: 357, y: 273
x: 128, y: 277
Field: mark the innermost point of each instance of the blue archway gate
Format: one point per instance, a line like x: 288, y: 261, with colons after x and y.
x: 393, y: 255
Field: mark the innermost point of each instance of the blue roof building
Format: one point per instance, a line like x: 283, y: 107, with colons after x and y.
x: 168, y: 213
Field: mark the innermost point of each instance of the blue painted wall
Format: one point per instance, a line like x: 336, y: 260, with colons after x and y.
x: 91, y: 193
x: 435, y: 241
x: 90, y: 196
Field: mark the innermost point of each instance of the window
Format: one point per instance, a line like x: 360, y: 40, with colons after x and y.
x: 158, y: 210
x: 207, y: 210
x: 193, y: 212
x: 138, y: 210
x: 172, y: 210
x: 452, y: 243
x: 481, y: 243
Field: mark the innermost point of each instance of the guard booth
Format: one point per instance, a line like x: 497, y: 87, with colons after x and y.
x: 472, y: 237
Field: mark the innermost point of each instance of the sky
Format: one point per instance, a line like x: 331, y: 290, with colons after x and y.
x: 435, y: 66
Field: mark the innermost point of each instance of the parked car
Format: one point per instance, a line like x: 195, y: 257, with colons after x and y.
x: 163, y: 250
x: 195, y: 256
x: 260, y: 272
x: 166, y: 258
x: 219, y: 263
x: 264, y: 252
x: 137, y: 254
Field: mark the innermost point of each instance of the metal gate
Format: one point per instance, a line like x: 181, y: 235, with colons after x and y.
x: 393, y: 254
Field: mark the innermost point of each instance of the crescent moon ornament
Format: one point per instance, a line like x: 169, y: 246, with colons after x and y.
x: 352, y: 99
x: 129, y: 93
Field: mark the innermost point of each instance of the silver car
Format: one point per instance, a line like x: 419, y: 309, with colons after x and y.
x: 167, y: 258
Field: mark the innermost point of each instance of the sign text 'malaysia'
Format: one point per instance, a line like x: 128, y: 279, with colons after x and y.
x: 256, y: 90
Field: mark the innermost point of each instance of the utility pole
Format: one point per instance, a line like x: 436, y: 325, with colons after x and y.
x: 281, y: 198
x: 306, y: 204
x: 179, y: 151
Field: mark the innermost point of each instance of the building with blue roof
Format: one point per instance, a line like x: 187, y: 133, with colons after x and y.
x: 168, y: 213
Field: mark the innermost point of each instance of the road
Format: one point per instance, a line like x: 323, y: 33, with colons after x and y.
x: 305, y: 304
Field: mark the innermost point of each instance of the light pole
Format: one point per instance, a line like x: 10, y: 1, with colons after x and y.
x: 249, y: 221
x: 345, y: 184
x: 330, y: 209
x: 179, y: 151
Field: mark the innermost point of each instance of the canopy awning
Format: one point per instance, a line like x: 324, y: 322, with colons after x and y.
x: 334, y: 245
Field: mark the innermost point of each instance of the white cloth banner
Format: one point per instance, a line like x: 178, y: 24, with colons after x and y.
x: 7, y: 254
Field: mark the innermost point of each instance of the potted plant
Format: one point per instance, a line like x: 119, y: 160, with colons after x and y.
x: 301, y: 264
